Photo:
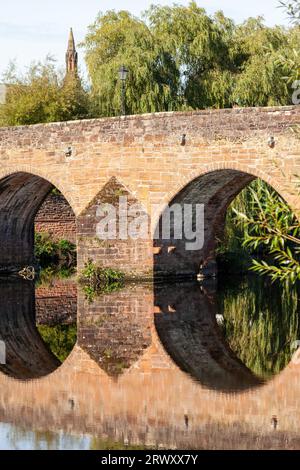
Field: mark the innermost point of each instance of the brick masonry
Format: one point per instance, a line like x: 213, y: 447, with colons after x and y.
x: 56, y: 217
x: 56, y: 303
x: 224, y: 150
x: 153, y: 399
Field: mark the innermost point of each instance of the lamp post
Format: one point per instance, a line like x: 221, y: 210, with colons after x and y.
x: 123, y: 72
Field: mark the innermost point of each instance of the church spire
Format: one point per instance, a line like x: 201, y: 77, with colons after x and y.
x: 71, y: 56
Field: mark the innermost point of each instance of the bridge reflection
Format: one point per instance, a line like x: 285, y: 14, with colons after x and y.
x: 115, y: 330
x: 151, y: 366
x: 186, y: 322
x: 22, y: 312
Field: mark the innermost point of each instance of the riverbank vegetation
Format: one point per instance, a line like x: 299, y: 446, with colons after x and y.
x: 261, y: 322
x: 96, y: 280
x: 49, y: 251
x: 261, y: 234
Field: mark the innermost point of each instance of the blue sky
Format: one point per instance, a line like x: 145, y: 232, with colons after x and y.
x: 30, y: 29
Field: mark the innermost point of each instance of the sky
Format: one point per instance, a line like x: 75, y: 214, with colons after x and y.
x: 31, y: 29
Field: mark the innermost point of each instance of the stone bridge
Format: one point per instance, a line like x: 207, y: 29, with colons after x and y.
x: 204, y: 157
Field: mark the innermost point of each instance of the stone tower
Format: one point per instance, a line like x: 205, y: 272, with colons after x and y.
x: 71, y: 56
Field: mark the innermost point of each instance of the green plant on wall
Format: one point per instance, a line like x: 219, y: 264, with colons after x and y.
x: 97, y: 280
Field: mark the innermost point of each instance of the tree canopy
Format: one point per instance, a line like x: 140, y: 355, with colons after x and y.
x: 181, y: 58
x: 41, y: 95
x: 178, y: 57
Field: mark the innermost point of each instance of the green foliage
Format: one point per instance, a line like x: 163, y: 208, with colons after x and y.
x: 292, y: 8
x: 49, y: 250
x: 52, y: 272
x: 61, y: 339
x: 41, y: 95
x: 96, y: 280
x: 261, y: 322
x: 120, y: 38
x: 233, y: 254
x: 289, y: 60
x: 180, y: 58
x: 268, y: 228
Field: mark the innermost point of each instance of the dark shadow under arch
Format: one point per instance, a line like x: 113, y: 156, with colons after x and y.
x: 215, y: 190
x: 187, y: 327
x: 21, y: 195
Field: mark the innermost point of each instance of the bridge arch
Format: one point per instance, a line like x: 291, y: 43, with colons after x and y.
x: 215, y: 187
x: 58, y: 182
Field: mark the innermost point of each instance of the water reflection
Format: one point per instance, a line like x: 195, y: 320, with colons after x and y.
x: 167, y: 365
x: 229, y: 336
x: 18, y: 438
x: 261, y: 322
x: 115, y: 329
x: 186, y: 322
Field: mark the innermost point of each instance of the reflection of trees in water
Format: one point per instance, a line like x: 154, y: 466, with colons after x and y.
x: 60, y: 339
x: 261, y: 321
x: 39, y: 331
x: 60, y: 336
x: 186, y: 323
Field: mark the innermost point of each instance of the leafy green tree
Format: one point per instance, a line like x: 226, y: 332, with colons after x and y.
x: 199, y: 46
x: 181, y: 58
x: 120, y: 38
x: 269, y: 225
x: 41, y: 95
x: 260, y: 79
x: 290, y: 58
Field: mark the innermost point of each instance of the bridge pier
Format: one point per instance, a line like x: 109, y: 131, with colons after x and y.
x: 116, y: 250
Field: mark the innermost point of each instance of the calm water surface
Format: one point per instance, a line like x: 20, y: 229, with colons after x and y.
x: 185, y: 365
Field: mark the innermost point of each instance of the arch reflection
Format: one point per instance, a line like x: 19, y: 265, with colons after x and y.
x: 31, y: 351
x: 229, y: 335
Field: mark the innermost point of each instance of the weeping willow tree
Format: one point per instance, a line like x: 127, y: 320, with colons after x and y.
x: 261, y: 323
x: 181, y: 58
x: 120, y: 38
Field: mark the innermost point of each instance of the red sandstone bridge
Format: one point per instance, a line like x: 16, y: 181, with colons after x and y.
x: 146, y: 158
x: 204, y: 157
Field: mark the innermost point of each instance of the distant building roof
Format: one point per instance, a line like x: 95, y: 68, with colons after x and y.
x: 3, y: 90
